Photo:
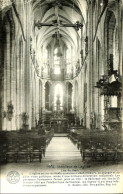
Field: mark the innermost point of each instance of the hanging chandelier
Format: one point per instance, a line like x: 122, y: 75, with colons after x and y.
x: 57, y: 44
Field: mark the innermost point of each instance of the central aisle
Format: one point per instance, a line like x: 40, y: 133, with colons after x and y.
x: 62, y: 150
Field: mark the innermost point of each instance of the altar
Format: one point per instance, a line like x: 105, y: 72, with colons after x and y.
x: 58, y: 122
x: 60, y: 125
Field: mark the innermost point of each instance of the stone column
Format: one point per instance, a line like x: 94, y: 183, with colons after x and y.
x: 80, y: 97
x: 89, y: 65
x: 22, y: 77
x: 36, y: 99
x: 43, y: 96
x: 17, y: 88
x: 4, y: 80
x: 52, y: 94
x: 7, y: 75
x: 1, y: 73
x: 33, y: 98
x: 27, y: 76
x: 66, y: 97
x: 40, y: 99
x: 72, y: 97
x: 82, y: 89
x: 13, y: 81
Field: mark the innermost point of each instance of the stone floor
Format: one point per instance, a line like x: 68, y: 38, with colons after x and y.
x: 61, y: 150
x: 62, y: 158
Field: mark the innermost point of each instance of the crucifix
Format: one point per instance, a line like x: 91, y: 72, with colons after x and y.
x: 77, y: 25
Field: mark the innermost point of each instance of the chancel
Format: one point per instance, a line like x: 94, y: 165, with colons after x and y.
x: 61, y: 80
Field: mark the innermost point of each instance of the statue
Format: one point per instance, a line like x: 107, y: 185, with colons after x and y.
x: 58, y: 102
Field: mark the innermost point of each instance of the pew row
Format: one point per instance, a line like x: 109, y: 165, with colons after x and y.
x: 97, y: 145
x: 27, y: 146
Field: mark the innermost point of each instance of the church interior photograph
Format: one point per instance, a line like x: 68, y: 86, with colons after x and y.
x: 61, y: 83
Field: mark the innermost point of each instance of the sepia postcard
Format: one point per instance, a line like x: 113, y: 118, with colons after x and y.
x: 61, y: 111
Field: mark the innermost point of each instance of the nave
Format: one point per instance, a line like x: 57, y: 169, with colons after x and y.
x: 60, y: 84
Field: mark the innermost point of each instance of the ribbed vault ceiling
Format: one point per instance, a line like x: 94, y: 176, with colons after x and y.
x: 58, y: 12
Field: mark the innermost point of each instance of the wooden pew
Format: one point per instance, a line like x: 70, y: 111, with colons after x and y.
x: 97, y: 145
x: 18, y: 146
x: 35, y: 149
